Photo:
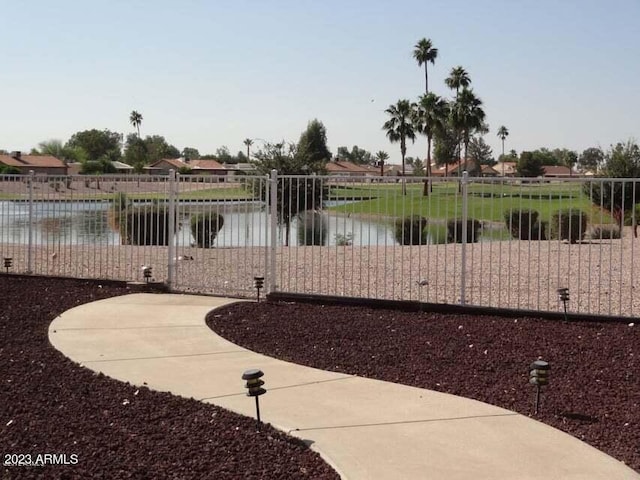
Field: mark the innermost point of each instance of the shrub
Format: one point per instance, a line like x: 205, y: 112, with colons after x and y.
x: 344, y: 240
x: 568, y: 225
x: 411, y: 230
x: 604, y: 232
x: 312, y: 228
x: 147, y: 225
x: 454, y: 230
x: 205, y: 227
x: 522, y: 224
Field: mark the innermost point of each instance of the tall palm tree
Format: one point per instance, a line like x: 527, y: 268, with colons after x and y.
x: 467, y: 117
x: 503, y: 133
x: 424, y: 52
x: 136, y: 119
x: 248, y: 142
x: 458, y: 78
x: 430, y: 117
x: 399, y: 128
x: 381, y: 157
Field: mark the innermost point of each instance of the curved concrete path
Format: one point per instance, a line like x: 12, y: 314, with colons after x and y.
x: 366, y: 429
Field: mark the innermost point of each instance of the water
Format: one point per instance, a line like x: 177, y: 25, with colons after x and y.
x: 245, y: 224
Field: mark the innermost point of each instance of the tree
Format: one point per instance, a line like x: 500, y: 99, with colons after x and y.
x: 458, y: 78
x: 468, y: 117
x: 503, y: 133
x: 312, y: 146
x: 381, y: 157
x: 97, y: 143
x: 158, y: 148
x: 357, y: 155
x: 248, y: 142
x: 136, y: 153
x: 417, y: 165
x: 591, y: 159
x: 136, y: 120
x: 529, y: 165
x: 55, y: 148
x: 622, y: 161
x: 480, y: 152
x: 191, y: 153
x: 431, y: 116
x: 566, y: 157
x: 445, y: 147
x: 425, y: 53
x: 399, y: 128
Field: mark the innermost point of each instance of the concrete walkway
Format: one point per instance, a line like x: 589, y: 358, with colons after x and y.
x: 366, y: 429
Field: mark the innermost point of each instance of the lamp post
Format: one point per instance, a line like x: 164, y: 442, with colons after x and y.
x: 254, y: 388
x: 8, y: 262
x: 258, y: 282
x: 146, y: 273
x: 539, y: 376
x: 563, y: 296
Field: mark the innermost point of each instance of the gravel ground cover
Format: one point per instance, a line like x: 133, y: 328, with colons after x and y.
x: 594, y: 391
x: 109, y: 429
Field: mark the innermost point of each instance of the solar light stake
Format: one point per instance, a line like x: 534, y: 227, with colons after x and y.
x: 258, y: 283
x: 539, y: 376
x: 8, y: 262
x: 254, y: 386
x: 146, y: 273
x: 563, y: 295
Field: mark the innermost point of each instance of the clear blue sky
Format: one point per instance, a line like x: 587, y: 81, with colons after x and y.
x: 211, y: 73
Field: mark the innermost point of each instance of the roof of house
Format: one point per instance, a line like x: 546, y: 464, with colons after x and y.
x: 488, y: 169
x: 193, y: 164
x: 342, y: 166
x: 557, y: 170
x: 121, y: 166
x: 48, y: 161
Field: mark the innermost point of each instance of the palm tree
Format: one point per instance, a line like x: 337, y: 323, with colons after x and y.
x: 424, y: 52
x: 458, y: 78
x: 503, y: 133
x: 248, y: 142
x: 467, y: 117
x: 431, y: 115
x: 400, y: 128
x: 381, y: 157
x: 136, y: 119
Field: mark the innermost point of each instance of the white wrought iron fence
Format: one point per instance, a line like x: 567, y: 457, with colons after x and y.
x: 481, y: 241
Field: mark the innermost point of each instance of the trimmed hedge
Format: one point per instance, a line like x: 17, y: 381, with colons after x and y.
x: 312, y: 228
x: 148, y: 225
x: 523, y: 224
x: 454, y: 230
x: 568, y: 225
x: 411, y: 230
x: 205, y: 227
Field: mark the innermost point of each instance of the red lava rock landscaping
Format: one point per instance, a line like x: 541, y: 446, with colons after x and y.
x: 594, y: 391
x: 50, y: 405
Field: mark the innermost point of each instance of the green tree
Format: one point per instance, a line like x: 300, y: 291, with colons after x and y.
x: 591, y: 159
x: 430, y: 117
x: 357, y: 155
x: 136, y: 153
x: 381, y: 157
x: 158, y: 148
x: 480, y: 152
x: 97, y: 143
x: 399, y: 128
x: 55, y: 148
x: 622, y: 161
x: 248, y: 142
x: 566, y: 157
x: 191, y: 153
x: 529, y: 165
x: 425, y: 53
x: 312, y: 147
x: 467, y: 117
x: 136, y: 120
x: 445, y: 143
x: 223, y: 155
x: 458, y: 78
x: 503, y: 133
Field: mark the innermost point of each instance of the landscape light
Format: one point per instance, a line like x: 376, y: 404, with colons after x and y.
x: 146, y: 273
x: 539, y: 376
x: 8, y: 262
x: 258, y: 283
x: 563, y: 295
x: 254, y: 385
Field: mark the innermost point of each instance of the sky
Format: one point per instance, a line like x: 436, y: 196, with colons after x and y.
x: 205, y: 74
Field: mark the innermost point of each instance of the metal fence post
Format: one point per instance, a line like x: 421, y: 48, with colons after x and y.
x: 171, y: 261
x: 32, y: 176
x: 273, y: 225
x: 463, y: 250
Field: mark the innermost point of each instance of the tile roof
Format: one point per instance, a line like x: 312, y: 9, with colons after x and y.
x: 342, y: 166
x: 32, y: 160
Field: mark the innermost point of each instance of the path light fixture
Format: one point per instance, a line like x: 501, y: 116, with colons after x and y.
x: 8, y: 263
x: 563, y: 296
x: 258, y: 282
x: 539, y: 376
x: 146, y: 273
x: 254, y: 388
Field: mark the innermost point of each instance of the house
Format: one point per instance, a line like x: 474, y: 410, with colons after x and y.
x: 241, y: 168
x: 556, y: 171
x: 488, y: 171
x: 455, y: 169
x: 40, y: 164
x: 507, y: 169
x: 348, y: 169
x: 197, y: 167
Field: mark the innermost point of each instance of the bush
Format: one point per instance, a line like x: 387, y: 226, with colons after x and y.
x: 522, y: 224
x: 147, y: 225
x: 411, y: 230
x: 604, y: 232
x: 568, y: 225
x: 344, y: 240
x: 205, y: 227
x: 312, y: 228
x: 454, y: 230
